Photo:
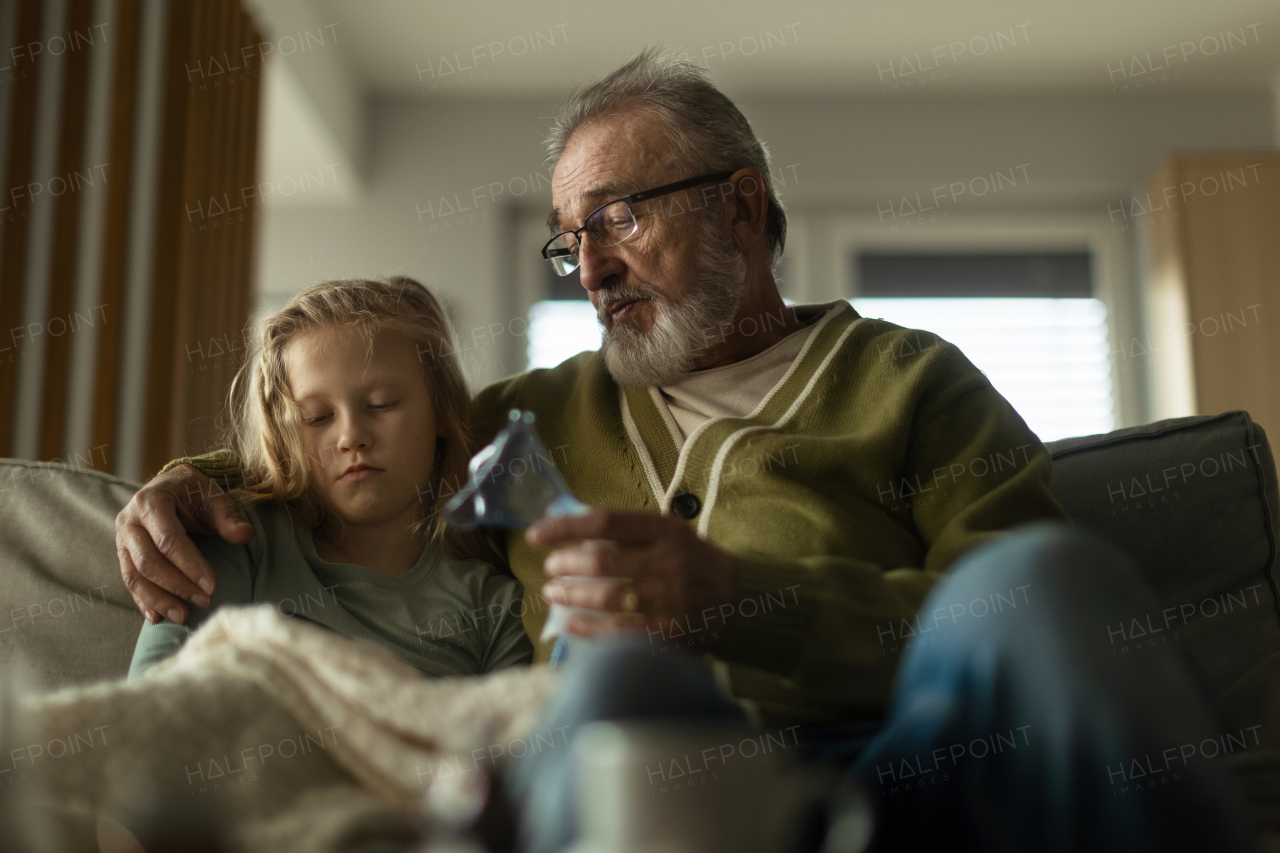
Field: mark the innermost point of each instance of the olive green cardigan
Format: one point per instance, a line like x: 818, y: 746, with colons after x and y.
x: 881, y: 456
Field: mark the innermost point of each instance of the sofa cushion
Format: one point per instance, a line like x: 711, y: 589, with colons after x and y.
x: 65, y: 615
x: 1193, y: 502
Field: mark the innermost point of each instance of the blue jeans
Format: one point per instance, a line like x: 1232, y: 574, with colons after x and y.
x: 1014, y: 725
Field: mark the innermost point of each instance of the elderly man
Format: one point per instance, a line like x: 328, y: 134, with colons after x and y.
x: 784, y: 486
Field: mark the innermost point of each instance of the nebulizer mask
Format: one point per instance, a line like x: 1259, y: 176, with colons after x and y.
x: 513, y: 483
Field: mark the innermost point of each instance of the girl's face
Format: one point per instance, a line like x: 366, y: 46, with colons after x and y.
x: 376, y: 414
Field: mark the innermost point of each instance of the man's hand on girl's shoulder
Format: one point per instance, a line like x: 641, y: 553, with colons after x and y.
x: 162, y: 568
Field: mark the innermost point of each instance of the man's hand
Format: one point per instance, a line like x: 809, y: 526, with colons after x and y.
x: 159, y: 562
x: 674, y: 572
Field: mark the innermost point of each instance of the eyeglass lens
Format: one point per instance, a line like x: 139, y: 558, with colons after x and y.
x: 608, y: 226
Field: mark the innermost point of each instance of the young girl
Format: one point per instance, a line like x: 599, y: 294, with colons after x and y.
x: 346, y: 421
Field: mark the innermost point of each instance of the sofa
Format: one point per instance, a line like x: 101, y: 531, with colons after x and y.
x: 1193, y: 501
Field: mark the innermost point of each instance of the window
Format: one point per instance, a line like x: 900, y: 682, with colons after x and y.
x: 565, y: 324
x: 562, y: 325
x: 1029, y: 321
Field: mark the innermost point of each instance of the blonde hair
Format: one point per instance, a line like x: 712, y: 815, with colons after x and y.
x: 264, y: 422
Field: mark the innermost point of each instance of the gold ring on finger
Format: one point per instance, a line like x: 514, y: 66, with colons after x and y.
x: 629, y: 601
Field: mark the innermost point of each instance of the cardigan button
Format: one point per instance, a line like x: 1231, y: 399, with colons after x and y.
x: 686, y: 506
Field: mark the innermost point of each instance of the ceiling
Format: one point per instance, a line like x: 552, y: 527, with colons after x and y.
x: 427, y: 50
x: 514, y: 48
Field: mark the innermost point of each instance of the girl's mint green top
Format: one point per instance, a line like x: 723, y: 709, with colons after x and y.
x: 444, y: 616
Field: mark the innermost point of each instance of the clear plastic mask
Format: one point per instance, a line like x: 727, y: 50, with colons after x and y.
x: 513, y: 482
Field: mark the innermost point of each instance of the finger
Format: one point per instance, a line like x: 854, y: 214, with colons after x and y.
x: 611, y: 524
x: 583, y: 626
x: 657, y: 600
x: 604, y: 595
x: 187, y: 490
x: 225, y: 520
x: 596, y: 562
x: 159, y: 543
x: 151, y: 556
x: 150, y: 599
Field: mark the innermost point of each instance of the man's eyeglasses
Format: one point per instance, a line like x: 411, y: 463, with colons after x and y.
x: 611, y: 223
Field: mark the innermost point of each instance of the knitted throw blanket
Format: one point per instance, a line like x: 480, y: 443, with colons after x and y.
x: 283, y: 734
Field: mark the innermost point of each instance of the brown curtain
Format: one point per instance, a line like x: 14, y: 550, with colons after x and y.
x: 198, y: 210
x: 204, y: 235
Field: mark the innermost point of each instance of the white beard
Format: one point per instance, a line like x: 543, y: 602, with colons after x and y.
x: 681, y: 331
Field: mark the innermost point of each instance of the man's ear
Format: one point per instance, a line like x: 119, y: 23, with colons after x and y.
x: 750, y: 207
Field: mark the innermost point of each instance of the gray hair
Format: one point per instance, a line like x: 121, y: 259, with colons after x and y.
x: 706, y: 129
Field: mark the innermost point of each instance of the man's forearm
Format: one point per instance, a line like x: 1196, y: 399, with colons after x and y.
x: 819, y: 623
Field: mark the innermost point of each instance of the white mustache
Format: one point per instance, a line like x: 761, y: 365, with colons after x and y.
x: 628, y: 294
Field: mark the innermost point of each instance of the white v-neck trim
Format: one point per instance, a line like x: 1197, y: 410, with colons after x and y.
x: 731, y: 390
x: 717, y: 466
x: 682, y: 460
x: 664, y: 411
x: 642, y: 449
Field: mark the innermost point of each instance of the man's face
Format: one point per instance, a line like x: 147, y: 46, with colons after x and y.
x: 662, y: 294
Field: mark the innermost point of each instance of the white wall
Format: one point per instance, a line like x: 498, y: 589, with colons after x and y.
x: 1082, y: 151
x: 837, y: 156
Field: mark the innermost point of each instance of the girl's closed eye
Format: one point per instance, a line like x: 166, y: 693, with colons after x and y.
x: 317, y: 419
